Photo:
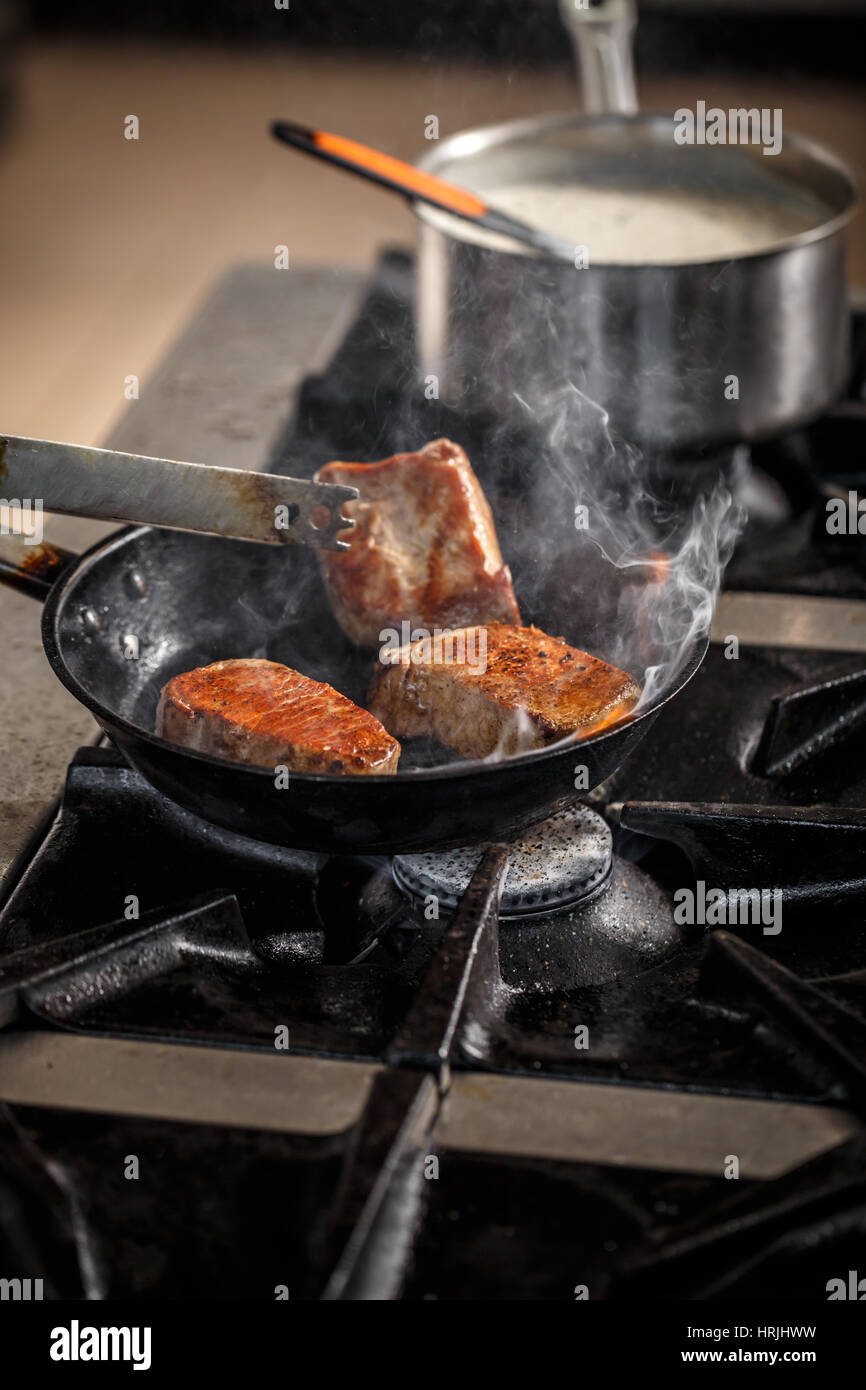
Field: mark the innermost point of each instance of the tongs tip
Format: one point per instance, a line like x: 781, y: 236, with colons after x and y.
x: 326, y: 520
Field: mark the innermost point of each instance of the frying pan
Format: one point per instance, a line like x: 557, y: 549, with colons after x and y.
x: 192, y: 599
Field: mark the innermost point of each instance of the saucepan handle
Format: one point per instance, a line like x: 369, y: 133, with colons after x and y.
x: 602, y: 33
x: 32, y: 567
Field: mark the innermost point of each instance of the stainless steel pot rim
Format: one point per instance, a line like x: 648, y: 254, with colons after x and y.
x: 477, y: 139
x: 106, y: 716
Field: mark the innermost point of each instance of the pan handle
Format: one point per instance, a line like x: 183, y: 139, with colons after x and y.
x: 32, y: 568
x: 602, y: 33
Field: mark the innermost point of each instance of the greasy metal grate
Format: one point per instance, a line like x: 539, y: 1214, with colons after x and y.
x: 558, y: 862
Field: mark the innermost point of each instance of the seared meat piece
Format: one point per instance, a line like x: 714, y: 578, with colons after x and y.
x: 498, y: 689
x: 423, y: 549
x: 263, y: 713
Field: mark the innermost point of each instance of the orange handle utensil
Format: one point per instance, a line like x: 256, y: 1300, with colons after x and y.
x: 413, y: 183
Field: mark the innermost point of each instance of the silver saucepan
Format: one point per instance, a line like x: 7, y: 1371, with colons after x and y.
x: 685, y: 343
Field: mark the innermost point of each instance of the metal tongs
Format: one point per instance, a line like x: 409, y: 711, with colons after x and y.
x: 229, y: 502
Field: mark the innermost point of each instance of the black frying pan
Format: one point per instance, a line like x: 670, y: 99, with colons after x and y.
x: 192, y: 599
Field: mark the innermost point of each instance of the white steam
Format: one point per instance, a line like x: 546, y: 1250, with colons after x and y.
x: 645, y: 559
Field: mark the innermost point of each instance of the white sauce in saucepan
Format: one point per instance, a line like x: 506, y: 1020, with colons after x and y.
x: 634, y: 226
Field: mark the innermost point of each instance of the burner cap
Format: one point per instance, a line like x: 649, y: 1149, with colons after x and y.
x: 555, y: 863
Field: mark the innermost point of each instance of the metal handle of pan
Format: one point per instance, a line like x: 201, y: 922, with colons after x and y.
x: 602, y: 32
x: 31, y: 565
x: 231, y: 502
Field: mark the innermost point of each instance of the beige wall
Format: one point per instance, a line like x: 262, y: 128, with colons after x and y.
x: 106, y: 244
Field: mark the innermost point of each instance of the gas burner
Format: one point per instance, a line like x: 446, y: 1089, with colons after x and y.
x: 556, y: 863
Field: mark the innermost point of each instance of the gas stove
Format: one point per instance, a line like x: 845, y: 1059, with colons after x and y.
x: 539, y: 1070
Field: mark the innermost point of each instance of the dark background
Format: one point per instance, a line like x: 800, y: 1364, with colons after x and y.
x: 807, y: 35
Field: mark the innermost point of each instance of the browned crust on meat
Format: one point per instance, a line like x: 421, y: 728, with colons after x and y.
x: 266, y: 714
x: 423, y: 548
x: 534, y: 690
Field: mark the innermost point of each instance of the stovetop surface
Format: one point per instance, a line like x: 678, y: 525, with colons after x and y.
x: 136, y: 921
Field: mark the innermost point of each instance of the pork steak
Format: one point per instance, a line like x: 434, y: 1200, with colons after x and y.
x: 423, y: 549
x: 498, y: 689
x: 260, y: 712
